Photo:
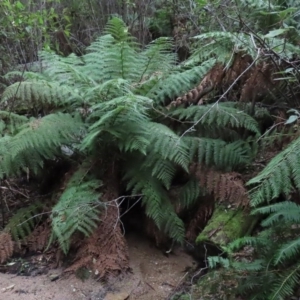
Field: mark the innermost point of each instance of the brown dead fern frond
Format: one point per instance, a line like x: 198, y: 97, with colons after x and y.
x: 211, y: 81
x: 259, y: 83
x: 226, y: 187
x: 105, y: 251
x: 39, y: 238
x: 240, y: 63
x: 6, y: 246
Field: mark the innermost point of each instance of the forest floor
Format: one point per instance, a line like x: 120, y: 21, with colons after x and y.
x: 153, y: 276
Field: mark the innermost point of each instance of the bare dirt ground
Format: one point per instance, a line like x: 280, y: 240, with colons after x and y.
x: 153, y: 276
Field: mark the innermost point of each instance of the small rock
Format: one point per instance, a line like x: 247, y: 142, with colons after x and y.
x: 8, y: 288
x: 117, y: 296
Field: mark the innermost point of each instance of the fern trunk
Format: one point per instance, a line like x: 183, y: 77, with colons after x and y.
x: 105, y: 252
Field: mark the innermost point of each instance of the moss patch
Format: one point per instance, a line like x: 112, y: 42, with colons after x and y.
x: 226, y: 225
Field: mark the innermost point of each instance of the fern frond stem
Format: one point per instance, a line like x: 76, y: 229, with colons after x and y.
x: 92, y: 207
x: 146, y: 67
x: 13, y: 190
x: 35, y: 216
x: 270, y: 129
x: 229, y: 61
x: 253, y: 41
x: 171, y: 118
x: 118, y: 204
x: 122, y: 49
x: 134, y: 204
x: 192, y: 128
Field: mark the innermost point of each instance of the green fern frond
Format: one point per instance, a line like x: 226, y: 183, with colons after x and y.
x: 77, y: 208
x: 11, y: 121
x: 288, y: 211
x: 161, y: 168
x: 155, y: 199
x: 118, y: 30
x: 278, y: 177
x: 255, y: 265
x: 38, y: 140
x: 152, y: 190
x: 172, y: 85
x: 285, y: 49
x: 222, y: 114
x: 64, y: 129
x: 22, y: 96
x: 106, y: 91
x: 221, y: 45
x: 286, y: 284
x: 124, y: 119
x: 214, y: 261
x: 173, y: 225
x: 108, y: 59
x: 287, y: 251
x: 214, y: 152
x: 261, y: 4
x: 168, y: 145
x: 58, y: 68
x: 157, y: 58
x: 262, y: 240
x: 22, y: 223
x: 189, y: 193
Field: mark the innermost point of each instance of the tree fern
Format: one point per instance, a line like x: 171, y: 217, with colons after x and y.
x: 109, y: 104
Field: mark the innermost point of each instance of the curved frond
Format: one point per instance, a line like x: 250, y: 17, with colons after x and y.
x: 278, y: 177
x: 124, y: 119
x: 289, y: 211
x: 22, y: 96
x: 38, y: 140
x: 168, y: 145
x: 215, y: 152
x: 218, y: 114
x: 77, y: 209
x: 286, y: 283
x: 189, y: 193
